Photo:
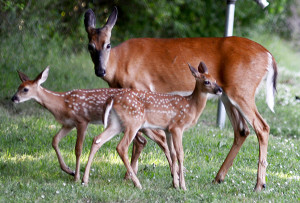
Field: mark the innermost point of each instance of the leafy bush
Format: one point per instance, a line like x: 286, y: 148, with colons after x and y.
x: 163, y: 18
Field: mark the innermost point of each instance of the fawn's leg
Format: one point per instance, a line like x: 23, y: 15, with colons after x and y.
x: 55, y: 142
x: 159, y: 136
x: 112, y: 130
x: 174, y: 159
x: 177, y: 142
x: 139, y: 142
x: 81, y: 129
x: 122, y: 150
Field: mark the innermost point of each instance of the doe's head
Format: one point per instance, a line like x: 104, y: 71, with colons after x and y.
x: 99, y: 40
x: 206, y: 82
x: 28, y: 89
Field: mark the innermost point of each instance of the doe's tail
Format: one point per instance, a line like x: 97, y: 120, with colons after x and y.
x: 271, y: 83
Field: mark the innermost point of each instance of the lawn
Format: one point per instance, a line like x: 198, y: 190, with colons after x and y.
x: 29, y: 168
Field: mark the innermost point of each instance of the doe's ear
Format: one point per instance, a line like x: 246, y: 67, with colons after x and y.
x: 195, y: 73
x: 112, y: 19
x: 202, y: 68
x: 89, y: 20
x: 42, y: 77
x: 23, y: 77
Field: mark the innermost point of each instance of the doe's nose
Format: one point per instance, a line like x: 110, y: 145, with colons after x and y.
x: 100, y: 72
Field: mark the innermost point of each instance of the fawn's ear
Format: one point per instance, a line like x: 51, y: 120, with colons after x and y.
x: 42, y: 77
x: 195, y: 73
x: 202, y: 68
x: 23, y: 77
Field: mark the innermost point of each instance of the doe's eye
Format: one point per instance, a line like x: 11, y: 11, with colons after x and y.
x: 91, y: 47
x: 108, y: 46
x: 25, y: 89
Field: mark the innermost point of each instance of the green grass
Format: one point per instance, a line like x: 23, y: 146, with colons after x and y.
x: 29, y: 169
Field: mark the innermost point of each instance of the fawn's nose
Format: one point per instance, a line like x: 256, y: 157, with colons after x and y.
x: 218, y: 91
x: 14, y: 98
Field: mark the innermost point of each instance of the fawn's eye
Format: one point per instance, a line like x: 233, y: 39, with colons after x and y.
x: 108, y: 46
x: 25, y: 89
x: 206, y: 82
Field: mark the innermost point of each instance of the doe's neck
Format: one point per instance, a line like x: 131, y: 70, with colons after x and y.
x: 111, y: 66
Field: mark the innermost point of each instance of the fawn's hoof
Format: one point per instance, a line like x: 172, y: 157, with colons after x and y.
x: 84, y: 181
x: 139, y: 186
x: 217, y: 181
x: 127, y: 177
x: 68, y: 171
x: 259, y: 187
x: 175, y: 185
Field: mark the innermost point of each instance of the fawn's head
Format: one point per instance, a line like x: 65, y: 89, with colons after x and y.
x: 206, y: 82
x: 99, y: 40
x: 29, y: 88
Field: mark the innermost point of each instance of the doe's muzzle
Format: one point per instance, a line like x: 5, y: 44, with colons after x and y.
x: 100, y: 72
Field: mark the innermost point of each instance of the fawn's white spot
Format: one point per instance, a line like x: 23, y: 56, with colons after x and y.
x: 98, y: 141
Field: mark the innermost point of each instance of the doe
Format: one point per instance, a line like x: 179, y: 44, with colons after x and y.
x: 136, y: 109
x: 238, y: 64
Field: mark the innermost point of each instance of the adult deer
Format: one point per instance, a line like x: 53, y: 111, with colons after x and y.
x: 73, y: 109
x: 238, y: 64
x: 136, y: 109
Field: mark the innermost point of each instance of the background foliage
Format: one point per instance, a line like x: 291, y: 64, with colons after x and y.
x: 46, y: 29
x: 141, y: 18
